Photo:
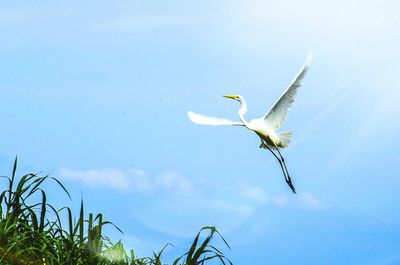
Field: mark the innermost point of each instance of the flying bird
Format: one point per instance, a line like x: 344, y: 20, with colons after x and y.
x: 266, y: 127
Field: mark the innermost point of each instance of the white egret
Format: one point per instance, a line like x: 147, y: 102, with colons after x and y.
x: 267, y: 126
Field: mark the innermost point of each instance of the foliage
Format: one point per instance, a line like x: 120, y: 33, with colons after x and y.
x: 32, y: 232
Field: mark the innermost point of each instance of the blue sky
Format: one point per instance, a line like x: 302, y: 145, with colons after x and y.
x: 97, y: 95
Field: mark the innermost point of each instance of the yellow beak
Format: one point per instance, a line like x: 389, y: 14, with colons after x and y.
x: 231, y: 96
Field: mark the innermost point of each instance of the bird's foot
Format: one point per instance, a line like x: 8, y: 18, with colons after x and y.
x: 290, y: 183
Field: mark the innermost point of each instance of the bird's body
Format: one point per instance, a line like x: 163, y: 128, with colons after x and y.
x: 267, y: 126
x: 268, y: 135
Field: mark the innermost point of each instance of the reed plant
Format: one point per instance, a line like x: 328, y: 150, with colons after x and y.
x: 34, y: 232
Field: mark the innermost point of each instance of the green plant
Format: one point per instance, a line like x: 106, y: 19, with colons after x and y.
x: 200, y: 253
x: 29, y: 236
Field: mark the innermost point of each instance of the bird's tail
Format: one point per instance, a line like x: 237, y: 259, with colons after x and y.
x: 284, y: 139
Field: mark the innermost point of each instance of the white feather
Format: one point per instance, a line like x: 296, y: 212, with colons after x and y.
x: 277, y: 114
x: 206, y: 120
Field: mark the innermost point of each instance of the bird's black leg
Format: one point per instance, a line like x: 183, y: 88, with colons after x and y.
x: 285, y: 174
x: 288, y: 180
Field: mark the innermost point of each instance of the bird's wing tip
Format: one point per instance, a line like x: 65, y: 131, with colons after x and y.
x: 190, y: 114
x: 309, y: 58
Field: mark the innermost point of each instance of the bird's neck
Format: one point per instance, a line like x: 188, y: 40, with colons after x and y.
x: 242, y: 111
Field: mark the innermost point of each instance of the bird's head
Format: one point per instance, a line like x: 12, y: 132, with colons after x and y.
x: 235, y: 97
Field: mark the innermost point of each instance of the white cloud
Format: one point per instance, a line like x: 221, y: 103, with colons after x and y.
x: 243, y: 209
x: 258, y: 196
x: 183, y: 215
x: 253, y: 193
x: 128, y: 180
x: 110, y: 177
x: 310, y: 202
x: 179, y: 205
x: 226, y: 206
x: 171, y: 181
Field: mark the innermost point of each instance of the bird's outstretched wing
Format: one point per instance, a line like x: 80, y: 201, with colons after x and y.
x: 206, y: 120
x: 277, y: 114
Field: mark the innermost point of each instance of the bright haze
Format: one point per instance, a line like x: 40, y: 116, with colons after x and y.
x: 96, y: 94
